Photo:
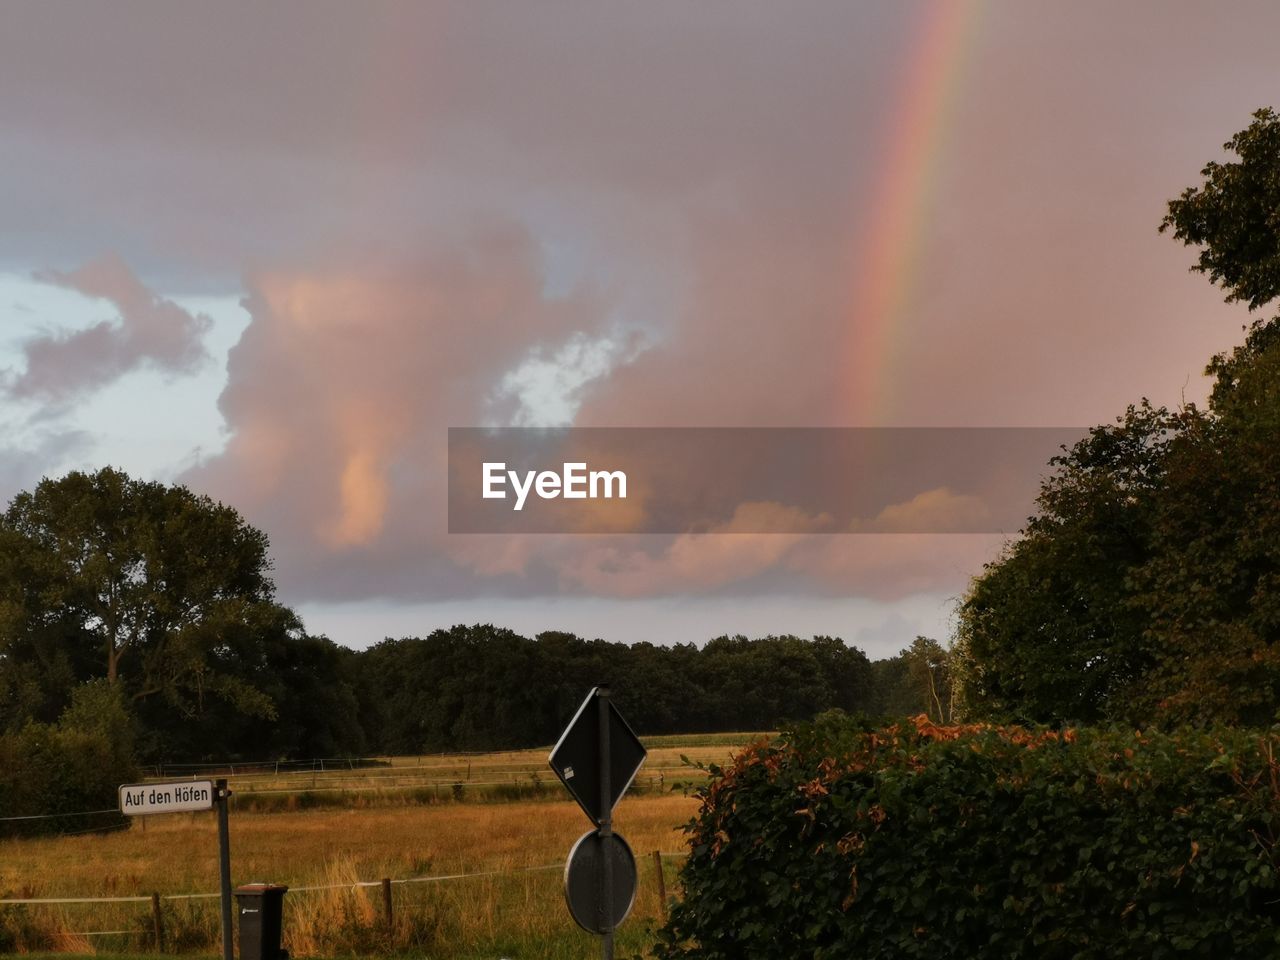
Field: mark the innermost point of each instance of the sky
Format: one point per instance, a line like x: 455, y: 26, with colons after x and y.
x: 273, y: 252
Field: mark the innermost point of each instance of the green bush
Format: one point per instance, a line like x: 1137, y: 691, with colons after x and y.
x: 841, y: 840
x: 56, y: 773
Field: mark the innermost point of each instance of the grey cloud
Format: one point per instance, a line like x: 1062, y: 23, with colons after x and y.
x: 724, y: 157
x: 22, y: 466
x: 149, y: 330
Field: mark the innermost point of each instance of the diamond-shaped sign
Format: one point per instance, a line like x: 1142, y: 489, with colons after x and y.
x: 576, y: 758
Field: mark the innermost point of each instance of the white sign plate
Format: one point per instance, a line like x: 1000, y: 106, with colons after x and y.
x: 139, y: 799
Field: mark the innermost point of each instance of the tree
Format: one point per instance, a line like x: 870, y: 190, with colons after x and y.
x: 928, y: 666
x: 145, y: 585
x: 68, y: 767
x: 1147, y: 587
x: 1235, y: 215
x: 1048, y: 632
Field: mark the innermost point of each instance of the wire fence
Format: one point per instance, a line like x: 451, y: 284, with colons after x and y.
x: 533, y: 780
x: 385, y: 883
x: 310, y: 888
x: 441, y: 774
x: 51, y: 816
x: 313, y: 888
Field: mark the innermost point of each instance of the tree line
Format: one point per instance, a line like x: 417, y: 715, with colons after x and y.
x: 164, y: 599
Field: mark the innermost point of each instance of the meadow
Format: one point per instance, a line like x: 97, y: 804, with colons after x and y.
x: 499, y: 838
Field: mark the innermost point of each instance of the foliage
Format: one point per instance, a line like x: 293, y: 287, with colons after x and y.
x: 1235, y: 215
x: 920, y: 679
x: 167, y: 596
x: 1145, y: 589
x: 1048, y: 631
x: 916, y: 840
x: 484, y: 687
x: 148, y: 577
x: 69, y: 767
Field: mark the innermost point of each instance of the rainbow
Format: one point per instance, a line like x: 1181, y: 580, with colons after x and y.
x: 888, y: 256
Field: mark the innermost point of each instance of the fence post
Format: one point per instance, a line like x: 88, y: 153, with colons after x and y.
x: 157, y: 921
x: 387, y: 909
x: 662, y: 882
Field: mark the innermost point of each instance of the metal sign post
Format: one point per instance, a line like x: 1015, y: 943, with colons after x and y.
x: 605, y: 830
x: 224, y: 868
x: 596, y: 758
x: 144, y: 799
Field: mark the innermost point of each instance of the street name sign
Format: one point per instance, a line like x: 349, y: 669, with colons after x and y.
x: 577, y: 761
x: 140, y: 799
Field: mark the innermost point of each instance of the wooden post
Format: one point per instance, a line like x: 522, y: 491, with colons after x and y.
x: 662, y: 882
x: 157, y: 922
x: 386, y: 908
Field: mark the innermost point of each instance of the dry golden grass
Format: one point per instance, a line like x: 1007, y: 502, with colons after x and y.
x: 663, y: 765
x: 396, y: 820
x: 516, y: 913
x: 178, y: 853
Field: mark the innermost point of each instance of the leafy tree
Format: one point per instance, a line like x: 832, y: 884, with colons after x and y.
x: 150, y: 587
x: 1048, y: 630
x: 919, y: 680
x: 929, y: 670
x: 1148, y: 585
x: 1235, y: 215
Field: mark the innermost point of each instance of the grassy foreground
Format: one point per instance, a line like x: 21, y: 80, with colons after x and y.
x: 516, y: 909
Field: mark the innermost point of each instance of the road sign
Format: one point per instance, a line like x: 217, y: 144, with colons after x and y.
x: 583, y: 890
x: 576, y: 758
x: 140, y: 799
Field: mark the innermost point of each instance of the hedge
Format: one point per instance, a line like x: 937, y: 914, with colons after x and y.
x: 842, y: 840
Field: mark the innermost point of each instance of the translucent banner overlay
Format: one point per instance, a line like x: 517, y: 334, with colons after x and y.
x: 786, y: 480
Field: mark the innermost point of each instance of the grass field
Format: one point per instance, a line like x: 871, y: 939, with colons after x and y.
x: 501, y: 776
x: 355, y: 826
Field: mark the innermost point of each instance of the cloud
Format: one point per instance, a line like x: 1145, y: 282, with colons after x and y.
x: 693, y: 563
x: 340, y: 394
x: 23, y: 464
x: 933, y: 511
x: 148, y: 330
x: 888, y: 566
x: 718, y: 175
x: 802, y: 555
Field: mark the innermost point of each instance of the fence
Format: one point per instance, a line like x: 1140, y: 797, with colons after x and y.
x: 385, y: 884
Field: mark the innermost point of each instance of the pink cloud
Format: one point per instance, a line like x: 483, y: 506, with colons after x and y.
x: 340, y: 394
x: 148, y: 330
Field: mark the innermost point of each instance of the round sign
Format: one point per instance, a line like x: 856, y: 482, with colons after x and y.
x: 584, y: 881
